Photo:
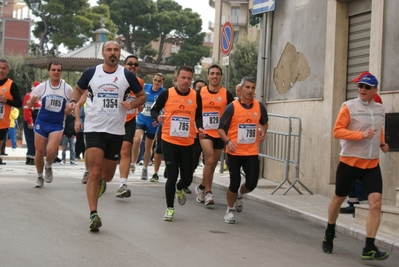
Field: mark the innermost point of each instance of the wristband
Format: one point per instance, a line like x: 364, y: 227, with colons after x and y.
x: 227, y: 142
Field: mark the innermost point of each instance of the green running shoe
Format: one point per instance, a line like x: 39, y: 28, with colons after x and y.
x: 154, y: 178
x: 169, y: 215
x: 181, y: 198
x: 374, y: 254
x: 327, y: 244
x: 94, y: 222
x: 103, y: 188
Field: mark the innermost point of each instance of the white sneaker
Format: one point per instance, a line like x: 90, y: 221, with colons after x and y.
x: 39, y: 182
x: 48, y: 176
x: 209, y: 199
x: 229, y: 217
x: 132, y: 168
x: 62, y: 162
x: 200, y: 194
x: 238, y: 205
x: 144, y: 174
x: 73, y: 162
x: 85, y: 177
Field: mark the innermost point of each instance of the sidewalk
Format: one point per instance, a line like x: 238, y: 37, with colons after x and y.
x: 312, y: 208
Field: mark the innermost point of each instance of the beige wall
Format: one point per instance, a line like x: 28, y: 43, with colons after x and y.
x: 316, y: 99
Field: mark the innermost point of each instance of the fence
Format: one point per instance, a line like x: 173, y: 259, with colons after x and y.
x: 283, y: 145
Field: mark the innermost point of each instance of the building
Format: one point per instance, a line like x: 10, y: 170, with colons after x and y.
x: 15, y: 25
x: 311, y: 50
x: 235, y: 11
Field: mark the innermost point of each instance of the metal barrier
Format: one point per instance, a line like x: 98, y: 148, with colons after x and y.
x: 284, y: 146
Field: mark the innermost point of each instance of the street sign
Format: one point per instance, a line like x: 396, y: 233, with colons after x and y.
x: 226, y: 38
x: 262, y: 6
x: 225, y: 61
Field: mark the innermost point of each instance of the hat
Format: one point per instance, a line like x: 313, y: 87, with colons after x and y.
x: 357, y: 79
x: 369, y: 79
x: 35, y: 83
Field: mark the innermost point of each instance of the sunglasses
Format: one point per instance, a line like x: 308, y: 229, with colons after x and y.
x: 57, y: 70
x: 159, y: 81
x: 132, y: 64
x: 365, y: 86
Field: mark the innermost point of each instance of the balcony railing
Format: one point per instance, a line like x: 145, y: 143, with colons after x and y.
x: 236, y: 20
x: 211, y: 25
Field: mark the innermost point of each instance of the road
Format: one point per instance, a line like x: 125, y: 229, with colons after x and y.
x: 49, y: 227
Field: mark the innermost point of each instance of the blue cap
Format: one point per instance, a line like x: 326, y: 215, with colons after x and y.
x: 369, y: 79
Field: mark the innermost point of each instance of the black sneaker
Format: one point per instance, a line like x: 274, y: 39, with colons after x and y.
x: 374, y: 254
x: 165, y: 173
x: 328, y: 242
x: 347, y: 210
x: 187, y: 190
x: 2, y: 162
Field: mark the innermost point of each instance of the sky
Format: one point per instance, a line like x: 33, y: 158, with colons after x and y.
x: 201, y: 7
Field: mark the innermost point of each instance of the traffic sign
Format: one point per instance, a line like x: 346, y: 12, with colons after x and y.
x: 226, y: 38
x: 262, y: 6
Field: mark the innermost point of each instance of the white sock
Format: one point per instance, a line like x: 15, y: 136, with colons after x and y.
x: 123, y: 181
x: 230, y: 208
x: 48, y: 166
x: 145, y: 168
x: 239, y: 195
x: 132, y: 164
x: 40, y: 174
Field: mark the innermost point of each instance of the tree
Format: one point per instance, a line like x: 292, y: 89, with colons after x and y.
x: 70, y: 23
x: 243, y: 62
x: 131, y: 18
x: 192, y: 39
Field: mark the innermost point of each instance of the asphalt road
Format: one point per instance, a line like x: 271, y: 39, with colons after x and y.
x: 49, y: 227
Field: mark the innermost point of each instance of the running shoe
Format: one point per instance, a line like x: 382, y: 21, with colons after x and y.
x: 123, y: 191
x: 48, y: 174
x: 200, y: 194
x: 209, y: 199
x: 229, y: 217
x: 144, y: 174
x: 85, y: 177
x: 39, y: 182
x: 132, y: 168
x: 187, y: 190
x: 73, y: 162
x: 103, y: 188
x: 238, y: 205
x: 374, y: 254
x: 94, y: 222
x: 169, y: 215
x: 62, y: 162
x: 141, y: 163
x: 154, y: 178
x: 181, y: 198
x: 328, y: 242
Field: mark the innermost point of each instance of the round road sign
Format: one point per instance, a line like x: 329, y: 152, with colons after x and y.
x: 226, y: 38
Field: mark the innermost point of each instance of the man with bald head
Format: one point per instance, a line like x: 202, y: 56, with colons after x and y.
x: 109, y: 86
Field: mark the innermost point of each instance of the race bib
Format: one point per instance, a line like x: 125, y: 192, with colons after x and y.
x: 107, y: 102
x: 54, y: 103
x: 180, y: 126
x: 131, y: 99
x: 147, y: 109
x: 210, y: 120
x: 2, y: 107
x: 246, y: 133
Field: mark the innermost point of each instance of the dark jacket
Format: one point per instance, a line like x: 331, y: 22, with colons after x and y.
x: 69, y: 129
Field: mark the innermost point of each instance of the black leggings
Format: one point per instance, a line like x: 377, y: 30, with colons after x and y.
x: 250, y: 165
x: 346, y: 175
x: 176, y: 157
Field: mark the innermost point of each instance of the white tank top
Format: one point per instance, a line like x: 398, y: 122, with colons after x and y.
x: 104, y: 112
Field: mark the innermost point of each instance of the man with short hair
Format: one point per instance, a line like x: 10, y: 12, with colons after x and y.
x: 9, y: 97
x: 132, y: 64
x: 146, y: 124
x: 49, y: 125
x: 238, y: 90
x: 109, y: 86
x: 360, y: 128
x: 182, y: 115
x: 242, y: 127
x: 215, y: 98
